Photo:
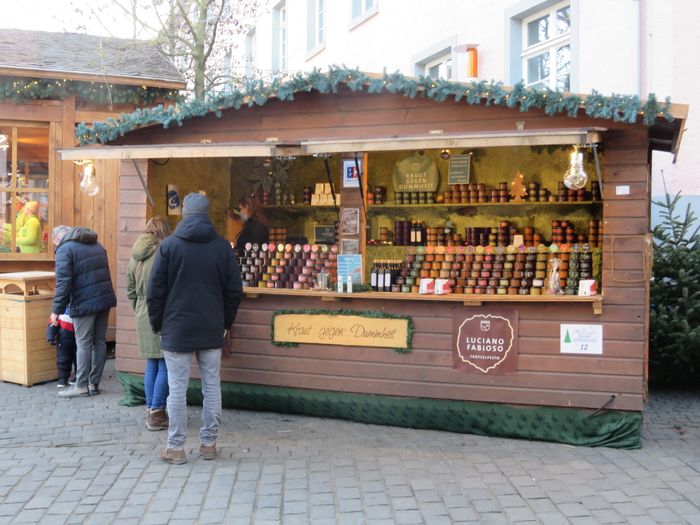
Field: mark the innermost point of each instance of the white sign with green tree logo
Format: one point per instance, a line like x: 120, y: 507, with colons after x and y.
x: 584, y: 339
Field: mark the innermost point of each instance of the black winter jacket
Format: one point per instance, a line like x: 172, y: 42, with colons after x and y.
x: 82, y: 275
x: 194, y: 288
x: 253, y: 231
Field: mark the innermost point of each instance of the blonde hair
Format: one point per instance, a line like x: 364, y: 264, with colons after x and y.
x: 32, y: 206
x: 158, y: 227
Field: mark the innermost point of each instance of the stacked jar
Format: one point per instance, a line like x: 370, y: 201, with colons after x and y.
x: 286, y: 266
x: 278, y: 234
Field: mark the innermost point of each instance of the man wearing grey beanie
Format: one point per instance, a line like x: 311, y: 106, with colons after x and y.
x: 193, y: 295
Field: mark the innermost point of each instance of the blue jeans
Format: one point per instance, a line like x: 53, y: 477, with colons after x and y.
x: 155, y: 383
x: 90, y: 331
x: 209, y: 362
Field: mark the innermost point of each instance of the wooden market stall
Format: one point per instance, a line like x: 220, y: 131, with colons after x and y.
x: 559, y: 358
x: 49, y: 83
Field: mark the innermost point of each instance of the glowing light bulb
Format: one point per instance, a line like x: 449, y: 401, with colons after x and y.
x: 575, y: 177
x: 88, y: 181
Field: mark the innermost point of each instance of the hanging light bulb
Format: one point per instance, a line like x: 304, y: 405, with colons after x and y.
x: 3, y: 142
x: 88, y: 180
x: 575, y: 177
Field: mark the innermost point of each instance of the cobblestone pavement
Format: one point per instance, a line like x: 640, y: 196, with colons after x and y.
x: 89, y: 460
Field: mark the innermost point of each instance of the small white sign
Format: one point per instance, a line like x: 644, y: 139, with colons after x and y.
x: 586, y: 339
x: 622, y: 190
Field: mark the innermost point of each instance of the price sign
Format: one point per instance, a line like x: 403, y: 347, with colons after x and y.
x: 350, y: 265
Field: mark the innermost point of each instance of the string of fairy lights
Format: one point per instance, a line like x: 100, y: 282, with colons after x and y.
x: 624, y: 108
x: 18, y: 89
x: 620, y: 108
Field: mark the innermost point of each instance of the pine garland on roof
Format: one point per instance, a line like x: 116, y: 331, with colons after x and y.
x: 620, y: 108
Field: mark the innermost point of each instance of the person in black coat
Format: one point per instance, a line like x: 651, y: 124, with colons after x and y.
x: 194, y: 291
x: 83, y: 280
x: 255, y: 228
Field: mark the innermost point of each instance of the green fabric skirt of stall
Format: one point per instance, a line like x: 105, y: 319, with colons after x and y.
x: 561, y: 425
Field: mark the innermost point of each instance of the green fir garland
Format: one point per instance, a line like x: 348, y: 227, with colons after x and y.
x: 18, y: 89
x: 362, y: 313
x: 620, y: 108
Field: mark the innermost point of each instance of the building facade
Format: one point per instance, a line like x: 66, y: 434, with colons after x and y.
x: 619, y: 46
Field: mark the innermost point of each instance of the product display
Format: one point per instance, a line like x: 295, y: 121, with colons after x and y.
x: 480, y: 270
x: 298, y: 267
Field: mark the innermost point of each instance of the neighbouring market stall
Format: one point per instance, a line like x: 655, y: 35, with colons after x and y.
x: 511, y: 242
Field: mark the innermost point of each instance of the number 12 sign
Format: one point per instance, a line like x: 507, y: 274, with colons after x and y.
x: 583, y: 339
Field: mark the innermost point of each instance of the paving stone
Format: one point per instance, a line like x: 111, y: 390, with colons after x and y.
x: 328, y: 471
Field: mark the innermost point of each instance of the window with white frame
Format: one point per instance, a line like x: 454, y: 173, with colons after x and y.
x: 279, y: 37
x: 546, y: 45
x: 316, y: 24
x: 440, y: 67
x: 360, y: 7
x: 362, y: 10
x: 250, y: 46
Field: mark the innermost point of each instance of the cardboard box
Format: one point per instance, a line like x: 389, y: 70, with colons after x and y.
x: 587, y: 287
x: 319, y: 188
x: 327, y: 188
x: 314, y: 199
x: 443, y: 286
x: 427, y: 286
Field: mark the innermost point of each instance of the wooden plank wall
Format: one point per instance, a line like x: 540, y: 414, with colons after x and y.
x: 545, y: 377
x: 67, y: 204
x: 131, y: 221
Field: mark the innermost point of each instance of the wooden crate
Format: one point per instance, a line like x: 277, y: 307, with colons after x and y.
x: 26, y: 358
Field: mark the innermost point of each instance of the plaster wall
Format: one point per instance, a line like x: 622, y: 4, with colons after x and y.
x: 606, y: 56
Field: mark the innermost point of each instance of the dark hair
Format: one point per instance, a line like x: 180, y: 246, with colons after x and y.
x: 255, y: 209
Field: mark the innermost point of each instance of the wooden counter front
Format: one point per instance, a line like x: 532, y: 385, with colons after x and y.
x: 596, y: 301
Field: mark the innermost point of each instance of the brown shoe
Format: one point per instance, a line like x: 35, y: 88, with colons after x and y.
x: 173, y: 456
x: 208, y: 451
x: 157, y: 420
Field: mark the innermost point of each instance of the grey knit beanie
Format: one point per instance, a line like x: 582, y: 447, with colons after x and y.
x: 195, y: 203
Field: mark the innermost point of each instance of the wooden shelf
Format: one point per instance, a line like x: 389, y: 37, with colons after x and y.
x: 299, y: 209
x: 595, y: 301
x: 391, y: 207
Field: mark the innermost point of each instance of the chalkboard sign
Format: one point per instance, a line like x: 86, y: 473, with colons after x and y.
x: 324, y: 234
x: 350, y: 265
x: 459, y: 169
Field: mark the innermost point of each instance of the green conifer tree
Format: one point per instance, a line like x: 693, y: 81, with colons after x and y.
x: 674, y: 336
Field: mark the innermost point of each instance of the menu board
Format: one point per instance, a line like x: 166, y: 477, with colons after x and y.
x: 459, y: 169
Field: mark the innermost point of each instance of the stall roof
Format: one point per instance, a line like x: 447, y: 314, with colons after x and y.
x: 43, y: 54
x: 665, y: 120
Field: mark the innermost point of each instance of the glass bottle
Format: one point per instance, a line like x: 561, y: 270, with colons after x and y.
x: 387, y: 278
x: 373, y: 276
x: 380, y: 277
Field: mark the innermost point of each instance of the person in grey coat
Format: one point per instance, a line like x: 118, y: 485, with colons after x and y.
x: 83, y: 280
x: 155, y: 379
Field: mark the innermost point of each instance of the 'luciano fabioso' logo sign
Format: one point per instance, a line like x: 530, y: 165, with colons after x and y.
x: 486, y: 343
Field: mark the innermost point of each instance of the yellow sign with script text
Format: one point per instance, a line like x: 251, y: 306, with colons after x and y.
x: 344, y: 330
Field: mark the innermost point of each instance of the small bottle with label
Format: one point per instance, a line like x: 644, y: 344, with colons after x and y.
x: 340, y: 284
x: 380, y: 277
x: 373, y: 276
x: 349, y: 285
x: 387, y: 278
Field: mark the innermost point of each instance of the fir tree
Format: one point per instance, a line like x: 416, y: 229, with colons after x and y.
x: 674, y: 336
